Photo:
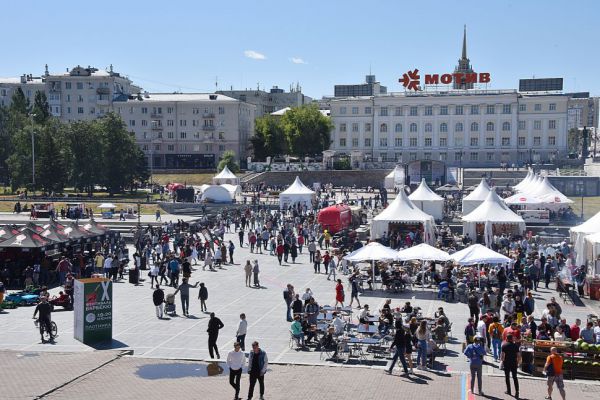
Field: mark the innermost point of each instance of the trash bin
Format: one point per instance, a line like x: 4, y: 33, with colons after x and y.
x: 134, y: 276
x: 527, y: 361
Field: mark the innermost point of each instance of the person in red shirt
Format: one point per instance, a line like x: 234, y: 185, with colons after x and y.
x: 575, y: 330
x: 513, y: 330
x: 279, y: 251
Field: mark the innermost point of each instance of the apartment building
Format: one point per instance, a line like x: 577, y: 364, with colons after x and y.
x: 271, y: 101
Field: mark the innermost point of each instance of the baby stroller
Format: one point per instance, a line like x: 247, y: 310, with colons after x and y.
x: 170, y: 308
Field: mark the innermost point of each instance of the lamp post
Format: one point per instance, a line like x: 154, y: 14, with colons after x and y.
x: 33, y: 155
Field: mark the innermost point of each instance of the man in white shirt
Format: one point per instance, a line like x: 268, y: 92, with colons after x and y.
x: 338, y: 324
x: 508, y: 306
x: 107, y: 266
x: 236, y: 359
x: 240, y: 335
x: 482, y: 329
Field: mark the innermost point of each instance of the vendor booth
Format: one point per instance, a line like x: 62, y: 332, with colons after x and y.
x: 225, y: 177
x: 107, y: 210
x: 335, y: 218
x: 404, y: 216
x: 429, y: 202
x: 491, y: 218
x: 578, y: 234
x: 43, y: 210
x: 476, y: 197
x: 296, y: 193
x: 217, y: 194
x: 395, y: 178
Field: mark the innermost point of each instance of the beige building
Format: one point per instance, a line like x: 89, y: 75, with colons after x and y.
x: 271, y: 101
x: 27, y: 82
x: 583, y: 111
x: 188, y: 130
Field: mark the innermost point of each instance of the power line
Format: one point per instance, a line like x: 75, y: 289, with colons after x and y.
x: 139, y: 78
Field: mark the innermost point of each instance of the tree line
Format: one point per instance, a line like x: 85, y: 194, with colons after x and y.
x: 82, y: 154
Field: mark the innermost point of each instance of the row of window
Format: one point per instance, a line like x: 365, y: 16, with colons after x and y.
x: 458, y: 127
x: 443, y: 110
x: 79, y: 85
x: 208, y: 123
x: 443, y: 142
x: 208, y: 111
x: 458, y: 157
x: 184, y: 147
x: 183, y: 135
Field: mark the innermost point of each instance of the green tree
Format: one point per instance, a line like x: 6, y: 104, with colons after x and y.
x: 228, y: 159
x: 41, y: 109
x: 52, y: 157
x: 19, y: 103
x: 307, y: 131
x: 87, y: 150
x: 268, y: 138
x: 19, y: 160
x: 574, y: 141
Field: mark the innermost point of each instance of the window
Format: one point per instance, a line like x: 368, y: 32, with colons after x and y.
x: 537, y: 107
x: 551, y: 141
x: 342, y: 142
x: 367, y: 142
x: 427, y: 156
x: 342, y: 127
x: 80, y: 99
x: 342, y: 110
x: 444, y: 110
x: 474, y: 156
x: 354, y: 142
x: 537, y: 125
x: 457, y: 156
x: 489, y: 156
x: 383, y: 156
x: 157, y: 110
x: 221, y: 136
x: 458, y: 110
x: 458, y: 141
x: 505, y: 141
x: 474, y: 141
x: 382, y: 142
x: 170, y: 135
x: 428, y: 142
x: 443, y: 142
x: 522, y: 107
x: 474, y: 127
x: 196, y: 135
x: 169, y: 110
x: 79, y: 110
x: 171, y: 147
x: 428, y: 127
x: 367, y: 110
x: 412, y: 156
x: 144, y: 110
x: 398, y: 111
x: 413, y: 127
x: 398, y: 142
x: 537, y: 140
x: 506, y: 109
x: 398, y: 157
x: 196, y: 148
x: 490, y: 109
x: 429, y: 110
x: 413, y: 142
x: 145, y: 135
x: 355, y: 127
x: 145, y: 147
x: 68, y: 97
x: 443, y: 156
x: 414, y: 111
x: 522, y: 125
x: 182, y: 122
x: 170, y: 122
x: 552, y: 124
x: 489, y: 142
x: 67, y: 85
x: 489, y: 127
x: 144, y: 122
x: 506, y: 126
x: 79, y: 85
x: 398, y: 128
x: 474, y: 110
x: 182, y: 135
x: 552, y: 106
x: 68, y: 110
x: 383, y: 128
x: 383, y: 111
x: 443, y: 127
x: 354, y: 110
x: 221, y: 110
x: 367, y: 127
x: 521, y: 141
x: 458, y: 127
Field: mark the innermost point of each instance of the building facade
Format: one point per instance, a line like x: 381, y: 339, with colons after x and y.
x: 271, y: 101
x: 582, y: 111
x: 469, y: 128
x: 27, y: 82
x: 188, y: 130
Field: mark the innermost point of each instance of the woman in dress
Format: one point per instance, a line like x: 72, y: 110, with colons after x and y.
x: 339, y: 293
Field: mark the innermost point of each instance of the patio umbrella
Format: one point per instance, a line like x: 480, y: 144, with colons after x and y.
x: 478, y: 254
x: 423, y: 252
x: 372, y: 252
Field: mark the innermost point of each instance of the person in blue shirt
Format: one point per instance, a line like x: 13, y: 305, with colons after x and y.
x: 174, y: 270
x: 475, y: 353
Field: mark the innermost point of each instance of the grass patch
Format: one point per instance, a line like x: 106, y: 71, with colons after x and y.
x: 591, y: 206
x: 189, y: 179
x: 145, y: 209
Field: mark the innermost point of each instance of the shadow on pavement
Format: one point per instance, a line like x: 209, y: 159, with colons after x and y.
x: 178, y: 370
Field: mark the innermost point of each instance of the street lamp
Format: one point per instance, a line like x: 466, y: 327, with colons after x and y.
x: 33, y: 155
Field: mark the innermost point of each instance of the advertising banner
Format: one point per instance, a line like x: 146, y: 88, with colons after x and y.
x: 93, y: 310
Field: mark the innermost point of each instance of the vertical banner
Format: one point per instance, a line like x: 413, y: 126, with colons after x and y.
x: 93, y: 310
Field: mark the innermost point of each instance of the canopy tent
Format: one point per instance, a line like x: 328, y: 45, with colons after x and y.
x: 496, y: 214
x: 171, y: 187
x: 429, y: 202
x: 54, y: 234
x: 225, y: 177
x: 107, y: 206
x: 523, y: 184
x: 448, y: 188
x: 593, y: 251
x: 372, y: 252
x: 578, y: 234
x: 55, y: 224
x: 217, y: 194
x: 478, y: 254
x: 95, y: 228
x: 7, y: 231
x: 523, y: 199
x: 296, y: 193
x: 395, y: 178
x: 423, y: 252
x: 26, y: 239
x: 74, y: 231
x: 550, y: 195
x: 33, y: 227
x: 234, y: 190
x: 402, y: 211
x: 476, y: 197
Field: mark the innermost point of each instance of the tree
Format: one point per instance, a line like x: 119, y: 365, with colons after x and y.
x: 19, y: 103
x: 87, y: 151
x: 574, y: 140
x: 228, y: 159
x: 19, y: 160
x: 307, y: 131
x: 268, y: 138
x: 52, y: 157
x: 41, y: 109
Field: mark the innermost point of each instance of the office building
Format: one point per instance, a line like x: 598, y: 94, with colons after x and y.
x: 271, y: 101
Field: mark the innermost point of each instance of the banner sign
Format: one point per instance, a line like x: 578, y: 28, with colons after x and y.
x: 93, y: 310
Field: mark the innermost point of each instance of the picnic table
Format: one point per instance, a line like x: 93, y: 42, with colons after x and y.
x: 367, y: 329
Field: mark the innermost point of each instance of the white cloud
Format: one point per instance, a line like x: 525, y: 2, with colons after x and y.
x: 298, y: 60
x: 255, y: 55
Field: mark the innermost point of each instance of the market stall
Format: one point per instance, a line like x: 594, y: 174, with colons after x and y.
x: 43, y: 210
x: 578, y: 234
x: 296, y: 193
x: 476, y: 197
x: 581, y: 360
x: 226, y: 177
x: 395, y: 178
x: 428, y: 201
x: 107, y: 210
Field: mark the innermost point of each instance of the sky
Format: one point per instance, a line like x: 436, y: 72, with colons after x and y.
x: 195, y: 46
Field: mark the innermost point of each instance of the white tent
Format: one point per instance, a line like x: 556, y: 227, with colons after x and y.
x: 217, y: 194
x: 523, y: 184
x: 423, y: 252
x: 372, y: 252
x: 578, y: 234
x: 296, y: 193
x: 523, y: 199
x: 226, y: 176
x: 429, y: 202
x: 478, y: 254
x: 395, y: 178
x: 493, y: 211
x: 232, y: 189
x: 476, y: 197
x: 550, y: 195
x: 593, y: 250
x: 403, y: 211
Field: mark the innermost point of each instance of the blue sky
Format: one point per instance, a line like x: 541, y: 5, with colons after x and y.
x: 187, y: 45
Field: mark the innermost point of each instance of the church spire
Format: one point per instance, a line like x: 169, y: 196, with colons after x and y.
x: 464, y: 66
x: 464, y: 49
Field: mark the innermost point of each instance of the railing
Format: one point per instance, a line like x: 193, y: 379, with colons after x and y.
x: 208, y: 128
x: 208, y: 115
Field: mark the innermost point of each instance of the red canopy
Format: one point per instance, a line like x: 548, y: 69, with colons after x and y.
x: 174, y: 186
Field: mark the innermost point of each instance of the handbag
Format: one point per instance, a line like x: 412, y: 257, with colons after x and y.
x: 550, y: 369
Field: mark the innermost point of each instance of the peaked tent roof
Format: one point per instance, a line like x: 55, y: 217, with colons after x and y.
x: 480, y: 192
x: 423, y: 252
x: 393, y: 173
x: 493, y: 209
x: 26, y: 239
x: 523, y: 184
x: 372, y: 251
x: 403, y: 209
x: 478, y: 254
x: 53, y: 233
x: 297, y: 188
x: 424, y: 193
x: 33, y: 227
x: 547, y: 192
x: 592, y: 225
x: 522, y: 199
x: 225, y: 174
x: 7, y: 231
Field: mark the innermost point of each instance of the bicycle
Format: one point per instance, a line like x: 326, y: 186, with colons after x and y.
x: 46, y: 336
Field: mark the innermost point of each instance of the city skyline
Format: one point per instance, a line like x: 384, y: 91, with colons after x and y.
x: 267, y: 45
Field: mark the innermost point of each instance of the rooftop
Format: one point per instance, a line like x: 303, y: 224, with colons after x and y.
x: 182, y: 97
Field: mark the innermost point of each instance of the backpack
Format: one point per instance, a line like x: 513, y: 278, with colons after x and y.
x: 286, y: 295
x: 496, y: 332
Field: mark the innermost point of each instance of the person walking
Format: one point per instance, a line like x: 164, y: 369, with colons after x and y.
x: 312, y: 248
x: 240, y: 334
x: 495, y: 330
x: 423, y: 337
x: 354, y: 290
x: 158, y: 297
x: 279, y: 252
x: 554, y: 372
x: 214, y: 324
x: 248, y: 271
x: 400, y: 344
x: 339, y: 293
x: 510, y: 359
x: 203, y: 296
x: 236, y: 359
x: 256, y: 271
x: 257, y: 367
x: 184, y: 289
x: 288, y: 297
x: 475, y: 353
x: 231, y: 249
x: 317, y: 262
x: 332, y: 268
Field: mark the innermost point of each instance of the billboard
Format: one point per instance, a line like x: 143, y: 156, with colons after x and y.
x: 93, y: 310
x: 540, y: 85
